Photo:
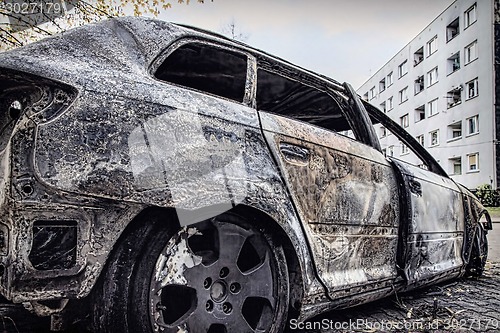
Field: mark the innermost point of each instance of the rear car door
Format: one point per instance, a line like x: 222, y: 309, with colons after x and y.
x: 344, y: 190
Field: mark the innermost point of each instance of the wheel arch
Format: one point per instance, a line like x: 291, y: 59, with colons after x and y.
x: 474, y: 211
x: 138, y: 225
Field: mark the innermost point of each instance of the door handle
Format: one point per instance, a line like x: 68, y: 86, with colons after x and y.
x: 294, y: 154
x: 415, y: 187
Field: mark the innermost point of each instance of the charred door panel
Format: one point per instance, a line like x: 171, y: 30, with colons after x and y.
x: 346, y: 194
x: 433, y: 228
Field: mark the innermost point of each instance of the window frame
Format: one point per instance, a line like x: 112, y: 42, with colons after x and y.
x: 248, y: 95
x: 453, y: 63
x: 404, y: 120
x: 475, y: 120
x: 476, y: 168
x: 403, y: 69
x: 419, y: 111
x: 474, y: 81
x: 430, y: 81
x: 403, y: 93
x: 452, y: 129
x: 454, y: 161
x: 431, y: 144
x: 467, y: 19
x: 418, y: 56
x: 451, y: 27
x: 390, y: 79
x: 421, y: 139
x: 390, y: 103
x: 467, y: 53
x: 432, y: 46
x: 454, y: 97
x: 433, y: 112
x: 420, y: 84
x: 381, y: 85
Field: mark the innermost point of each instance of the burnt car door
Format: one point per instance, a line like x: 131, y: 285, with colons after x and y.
x: 344, y: 190
x: 432, y: 224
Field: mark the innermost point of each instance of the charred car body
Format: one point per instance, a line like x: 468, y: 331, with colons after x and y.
x: 156, y: 177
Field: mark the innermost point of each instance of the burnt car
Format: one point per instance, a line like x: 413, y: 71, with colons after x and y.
x: 161, y: 178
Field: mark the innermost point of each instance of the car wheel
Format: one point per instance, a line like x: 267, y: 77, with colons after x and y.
x: 479, y: 253
x: 220, y: 275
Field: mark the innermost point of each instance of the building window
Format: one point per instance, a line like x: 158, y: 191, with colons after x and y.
x: 403, y: 95
x: 473, y: 162
x: 452, y: 30
x: 365, y: 96
x: 420, y: 113
x: 470, y: 16
x: 383, y: 107
x: 404, y: 121
x: 473, y: 125
x: 383, y: 132
x: 453, y: 63
x: 418, y: 56
x: 389, y: 79
x: 390, y: 104
x: 456, y: 165
x: 471, y: 52
x: 419, y: 84
x: 403, y: 69
x: 404, y: 149
x: 472, y: 89
x: 421, y: 140
x: 434, y: 138
x: 454, y: 97
x: 390, y: 151
x: 381, y: 85
x: 432, y: 76
x: 371, y: 93
x: 432, y: 46
x: 433, y: 107
x: 455, y: 131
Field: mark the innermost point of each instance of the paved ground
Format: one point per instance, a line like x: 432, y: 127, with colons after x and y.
x: 494, y: 241
x: 465, y: 305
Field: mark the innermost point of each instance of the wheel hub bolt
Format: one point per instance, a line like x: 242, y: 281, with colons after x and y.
x: 209, y: 306
x: 224, y: 272
x: 235, y: 287
x: 227, y: 308
x: 207, y: 283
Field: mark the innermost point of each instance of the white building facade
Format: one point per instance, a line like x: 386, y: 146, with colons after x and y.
x: 441, y: 89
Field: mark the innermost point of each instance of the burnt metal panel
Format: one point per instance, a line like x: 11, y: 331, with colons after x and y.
x: 346, y: 194
x: 54, y: 245
x: 433, y: 228
x: 108, y: 157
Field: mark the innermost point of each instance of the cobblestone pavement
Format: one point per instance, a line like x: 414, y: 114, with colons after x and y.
x: 463, y: 305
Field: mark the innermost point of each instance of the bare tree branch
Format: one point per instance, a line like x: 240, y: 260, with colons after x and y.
x: 17, y: 41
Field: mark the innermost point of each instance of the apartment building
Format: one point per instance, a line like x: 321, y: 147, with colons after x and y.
x: 441, y: 88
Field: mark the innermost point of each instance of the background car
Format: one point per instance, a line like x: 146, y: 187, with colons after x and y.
x: 161, y: 178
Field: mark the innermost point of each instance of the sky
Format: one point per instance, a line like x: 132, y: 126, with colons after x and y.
x: 347, y: 40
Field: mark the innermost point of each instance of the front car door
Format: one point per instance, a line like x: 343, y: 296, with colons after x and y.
x: 344, y: 190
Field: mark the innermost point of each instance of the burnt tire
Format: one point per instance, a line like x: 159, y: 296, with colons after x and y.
x: 479, y: 253
x: 220, y: 275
